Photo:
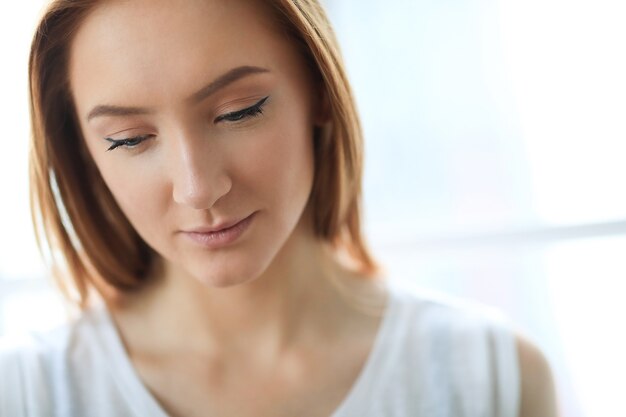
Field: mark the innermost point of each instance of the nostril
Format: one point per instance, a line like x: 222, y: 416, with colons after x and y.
x: 201, y: 193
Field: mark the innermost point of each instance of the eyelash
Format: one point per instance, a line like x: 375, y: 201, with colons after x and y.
x: 235, y: 116
x: 127, y: 143
x: 238, y: 115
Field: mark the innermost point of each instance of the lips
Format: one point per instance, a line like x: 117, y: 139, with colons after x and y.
x: 220, y: 226
x: 220, y: 236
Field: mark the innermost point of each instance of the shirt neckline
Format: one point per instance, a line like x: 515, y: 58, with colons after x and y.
x: 358, y: 392
x: 138, y: 396
x: 143, y: 402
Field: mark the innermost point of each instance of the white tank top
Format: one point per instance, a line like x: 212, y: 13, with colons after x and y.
x: 434, y: 356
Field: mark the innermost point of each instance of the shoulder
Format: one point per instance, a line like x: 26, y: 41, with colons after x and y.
x: 36, y: 367
x: 538, y: 396
x: 473, y: 330
x: 11, y: 384
x: 24, y: 371
x: 457, y: 329
x: 468, y: 348
x: 461, y: 330
x: 441, y: 312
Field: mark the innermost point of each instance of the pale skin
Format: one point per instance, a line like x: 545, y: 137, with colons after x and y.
x: 259, y: 327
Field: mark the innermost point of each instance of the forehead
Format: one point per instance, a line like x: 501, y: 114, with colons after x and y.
x: 170, y: 45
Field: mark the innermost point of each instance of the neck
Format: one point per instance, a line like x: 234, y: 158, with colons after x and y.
x: 274, y: 312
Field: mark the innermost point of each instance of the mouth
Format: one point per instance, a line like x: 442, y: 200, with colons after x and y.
x: 220, y: 236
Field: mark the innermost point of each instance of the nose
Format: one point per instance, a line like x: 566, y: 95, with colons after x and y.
x: 198, y: 176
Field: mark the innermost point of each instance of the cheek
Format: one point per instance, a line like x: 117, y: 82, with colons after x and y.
x: 282, y: 162
x: 138, y: 196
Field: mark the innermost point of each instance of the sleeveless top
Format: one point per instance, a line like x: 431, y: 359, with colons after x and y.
x: 433, y: 356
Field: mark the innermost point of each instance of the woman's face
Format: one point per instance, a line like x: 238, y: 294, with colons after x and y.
x: 198, y: 114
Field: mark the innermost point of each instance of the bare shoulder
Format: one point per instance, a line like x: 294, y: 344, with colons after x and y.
x: 538, y: 396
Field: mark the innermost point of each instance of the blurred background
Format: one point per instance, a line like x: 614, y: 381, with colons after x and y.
x: 495, y: 145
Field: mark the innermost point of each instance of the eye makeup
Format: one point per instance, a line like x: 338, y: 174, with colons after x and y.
x: 236, y: 116
x: 254, y: 110
x: 127, y: 142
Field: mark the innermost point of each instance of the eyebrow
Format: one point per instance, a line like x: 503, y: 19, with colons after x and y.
x: 220, y: 82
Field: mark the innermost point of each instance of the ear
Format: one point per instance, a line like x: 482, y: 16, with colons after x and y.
x: 322, y: 105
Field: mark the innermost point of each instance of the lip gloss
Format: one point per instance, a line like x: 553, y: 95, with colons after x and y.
x: 221, y: 238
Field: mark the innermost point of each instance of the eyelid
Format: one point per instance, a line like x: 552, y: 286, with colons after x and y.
x: 232, y: 117
x: 124, y: 142
x: 253, y: 110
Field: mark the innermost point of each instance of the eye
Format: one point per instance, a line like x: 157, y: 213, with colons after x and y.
x: 235, y: 116
x: 127, y: 143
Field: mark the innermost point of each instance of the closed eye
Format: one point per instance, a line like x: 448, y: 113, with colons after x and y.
x: 235, y: 116
x: 127, y: 142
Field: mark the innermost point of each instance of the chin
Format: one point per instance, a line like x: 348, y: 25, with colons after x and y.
x: 226, y: 277
x: 222, y: 281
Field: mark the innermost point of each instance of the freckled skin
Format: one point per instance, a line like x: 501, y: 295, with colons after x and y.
x: 194, y: 171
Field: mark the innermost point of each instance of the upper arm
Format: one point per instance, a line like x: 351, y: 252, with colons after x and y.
x: 538, y: 397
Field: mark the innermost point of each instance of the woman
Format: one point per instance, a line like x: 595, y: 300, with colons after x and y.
x: 196, y: 165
